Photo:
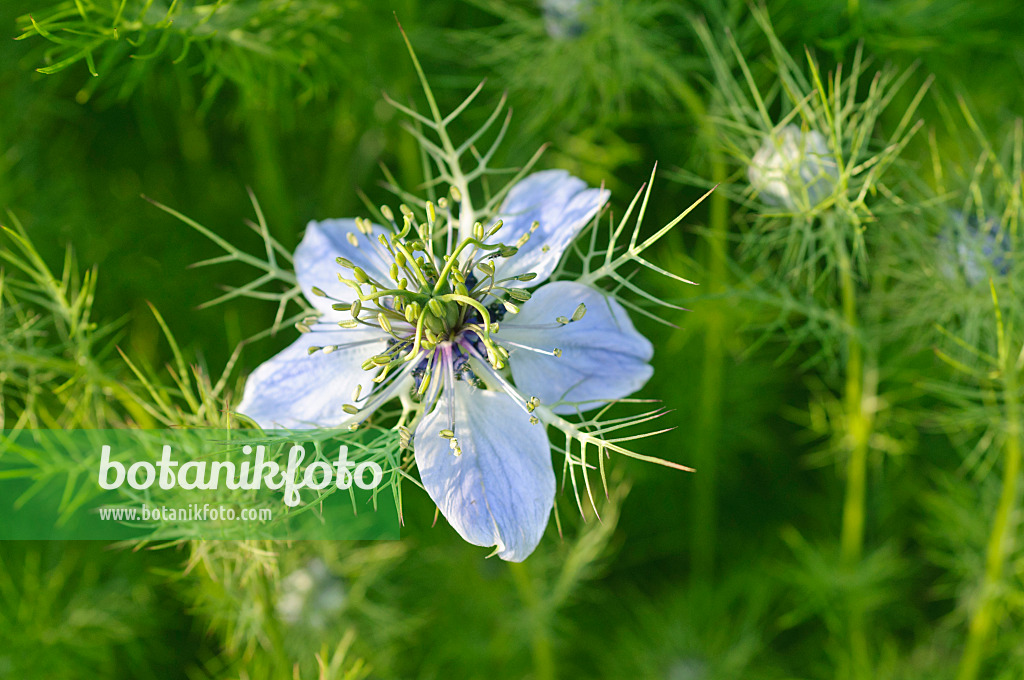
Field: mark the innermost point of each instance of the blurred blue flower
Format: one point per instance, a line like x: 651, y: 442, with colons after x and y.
x: 793, y: 168
x: 470, y: 351
x: 982, y: 247
x: 565, y: 18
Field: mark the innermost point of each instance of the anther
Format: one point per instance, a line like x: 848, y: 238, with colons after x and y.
x: 352, y: 239
x: 580, y: 311
x: 350, y: 409
x: 319, y: 292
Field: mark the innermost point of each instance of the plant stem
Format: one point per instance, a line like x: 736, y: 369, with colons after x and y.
x: 704, y: 507
x: 858, y: 433
x: 984, y: 616
x: 540, y: 640
x: 270, y: 624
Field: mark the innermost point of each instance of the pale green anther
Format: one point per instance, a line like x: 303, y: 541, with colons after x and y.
x: 356, y: 392
x: 478, y: 231
x: 360, y: 275
x: 349, y: 323
x: 509, y: 307
x: 313, y: 350
x: 494, y: 230
x: 562, y: 320
x: 403, y: 283
x: 519, y: 294
x: 400, y: 258
x: 341, y: 306
x: 459, y: 276
x: 368, y: 365
x: 507, y: 251
x: 442, y: 203
x: 545, y: 248
x: 381, y: 359
x: 580, y: 311
x: 319, y: 292
x: 386, y: 212
x: 456, y: 194
x: 394, y: 271
x: 487, y: 268
x: 437, y: 308
x: 353, y: 427
x: 534, y: 420
x: 425, y: 383
x: 405, y: 210
x: 431, y: 336
x: 352, y: 239
x: 329, y: 348
x: 310, y: 320
x: 364, y: 225
x: 557, y: 351
x: 356, y: 307
x: 350, y: 409
x: 344, y: 263
x: 454, y: 443
x: 502, y: 354
x: 533, y: 227
x: 460, y: 289
x: 383, y: 321
x: 522, y: 240
x: 412, y: 312
x: 431, y: 214
x: 532, y: 404
x: 446, y: 434
x: 302, y: 328
x: 528, y: 276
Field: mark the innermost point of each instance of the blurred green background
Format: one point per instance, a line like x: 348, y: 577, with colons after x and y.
x: 737, y: 576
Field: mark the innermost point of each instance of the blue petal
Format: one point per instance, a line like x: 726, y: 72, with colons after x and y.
x: 323, y: 244
x: 561, y: 203
x: 603, y: 356
x: 501, y: 489
x: 297, y: 390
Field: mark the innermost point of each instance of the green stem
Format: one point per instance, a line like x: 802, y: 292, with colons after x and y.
x: 704, y: 506
x: 858, y: 426
x: 540, y: 640
x: 270, y: 624
x: 983, y: 619
x: 858, y: 432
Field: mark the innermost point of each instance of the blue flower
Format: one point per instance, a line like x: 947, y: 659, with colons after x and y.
x: 565, y: 18
x: 473, y: 354
x: 981, y: 247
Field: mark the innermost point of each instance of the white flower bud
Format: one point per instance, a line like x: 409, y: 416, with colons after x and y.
x: 793, y: 168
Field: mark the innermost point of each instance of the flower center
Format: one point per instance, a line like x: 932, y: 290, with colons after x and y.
x: 429, y: 298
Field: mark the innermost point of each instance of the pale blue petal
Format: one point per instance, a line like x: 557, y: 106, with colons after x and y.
x: 296, y: 390
x: 501, y: 489
x: 561, y: 203
x: 317, y: 254
x: 603, y: 356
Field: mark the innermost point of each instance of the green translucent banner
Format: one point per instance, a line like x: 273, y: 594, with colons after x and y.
x: 167, y: 485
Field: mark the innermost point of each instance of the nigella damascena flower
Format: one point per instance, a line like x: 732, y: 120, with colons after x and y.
x: 565, y: 18
x: 310, y: 596
x: 793, y: 168
x: 448, y: 324
x: 982, y: 248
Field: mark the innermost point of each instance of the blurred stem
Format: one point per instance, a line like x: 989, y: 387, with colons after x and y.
x: 268, y: 167
x: 984, y: 616
x: 270, y: 623
x: 540, y: 640
x: 858, y: 424
x: 704, y: 509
